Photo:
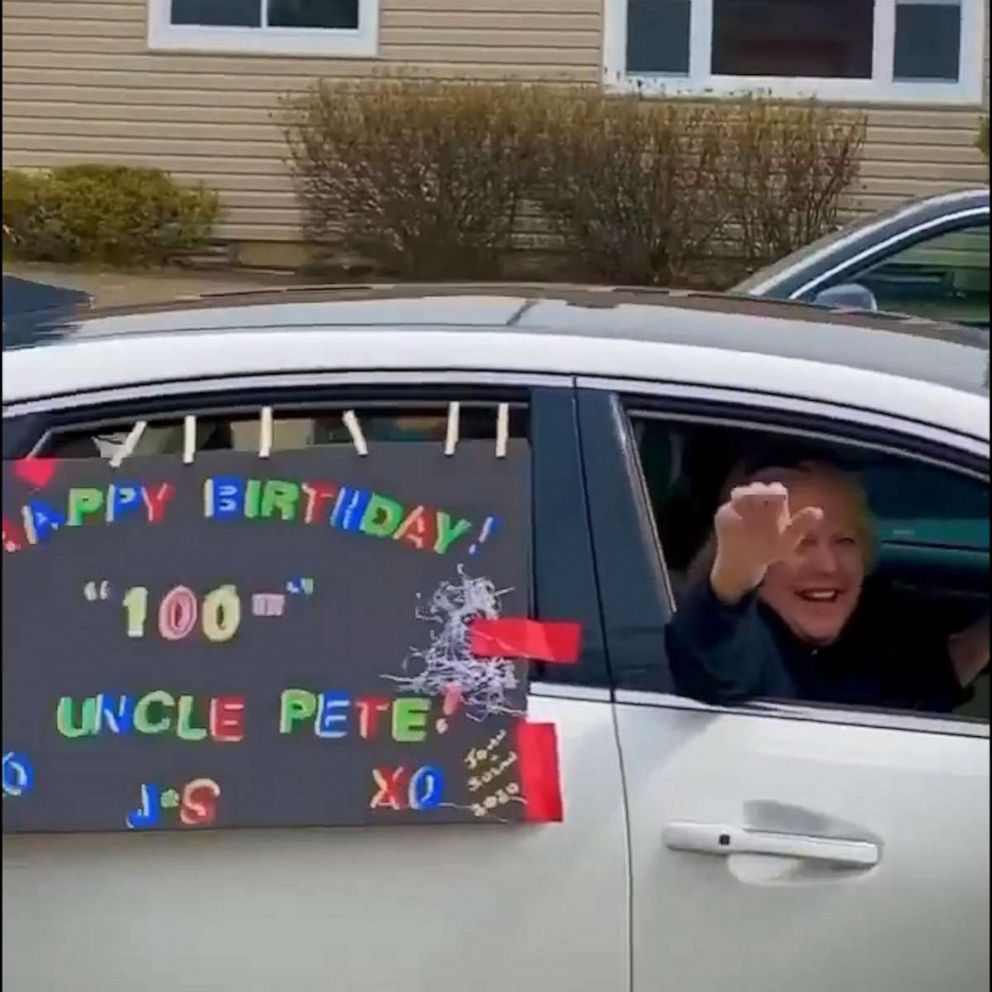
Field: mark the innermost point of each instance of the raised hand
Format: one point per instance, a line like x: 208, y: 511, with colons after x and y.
x: 755, y: 529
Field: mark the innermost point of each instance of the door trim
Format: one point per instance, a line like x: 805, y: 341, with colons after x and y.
x: 576, y: 693
x: 910, y: 236
x: 924, y: 723
x: 280, y: 380
x: 857, y: 417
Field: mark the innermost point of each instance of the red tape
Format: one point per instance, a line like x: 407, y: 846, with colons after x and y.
x: 537, y: 746
x: 37, y: 472
x: 555, y: 643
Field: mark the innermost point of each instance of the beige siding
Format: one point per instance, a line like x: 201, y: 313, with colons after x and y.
x: 921, y: 151
x: 79, y: 85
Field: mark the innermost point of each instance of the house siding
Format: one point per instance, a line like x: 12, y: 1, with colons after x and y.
x: 79, y: 85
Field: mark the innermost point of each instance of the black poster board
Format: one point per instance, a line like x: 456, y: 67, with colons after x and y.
x: 263, y: 642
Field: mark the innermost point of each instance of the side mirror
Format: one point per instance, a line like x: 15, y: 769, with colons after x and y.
x: 850, y: 295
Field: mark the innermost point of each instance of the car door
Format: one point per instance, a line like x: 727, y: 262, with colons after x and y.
x: 777, y: 846
x: 384, y: 909
x: 939, y: 271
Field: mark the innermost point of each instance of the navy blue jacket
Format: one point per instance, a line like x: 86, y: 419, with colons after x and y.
x: 883, y: 658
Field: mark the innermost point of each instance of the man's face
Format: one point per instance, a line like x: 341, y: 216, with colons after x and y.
x: 816, y: 590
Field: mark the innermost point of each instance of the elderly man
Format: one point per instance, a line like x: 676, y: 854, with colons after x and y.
x: 782, y: 610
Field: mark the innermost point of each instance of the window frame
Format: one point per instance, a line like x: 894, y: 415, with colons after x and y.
x: 878, y: 253
x: 563, y: 573
x: 633, y: 578
x: 881, y: 88
x: 792, y: 280
x: 953, y: 269
x: 361, y: 42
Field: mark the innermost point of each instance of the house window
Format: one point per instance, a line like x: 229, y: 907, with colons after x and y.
x: 913, y: 51
x: 821, y: 39
x: 347, y: 28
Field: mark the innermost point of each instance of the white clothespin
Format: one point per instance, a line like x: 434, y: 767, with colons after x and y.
x: 502, y: 429
x: 189, y: 439
x: 128, y: 445
x: 355, y: 430
x: 265, y: 432
x: 451, y: 438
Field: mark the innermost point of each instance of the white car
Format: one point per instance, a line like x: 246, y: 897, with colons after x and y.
x: 771, y: 846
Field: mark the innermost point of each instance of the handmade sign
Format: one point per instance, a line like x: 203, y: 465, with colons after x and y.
x: 312, y: 638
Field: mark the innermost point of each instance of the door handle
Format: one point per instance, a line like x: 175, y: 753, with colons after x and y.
x: 710, y: 838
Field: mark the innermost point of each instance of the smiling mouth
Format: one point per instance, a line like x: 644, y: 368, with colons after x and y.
x: 819, y: 595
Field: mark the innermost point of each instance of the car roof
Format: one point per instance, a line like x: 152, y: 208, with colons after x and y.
x: 699, y: 338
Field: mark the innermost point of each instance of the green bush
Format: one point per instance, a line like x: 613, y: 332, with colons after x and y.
x: 425, y: 179
x: 982, y: 141
x: 107, y: 214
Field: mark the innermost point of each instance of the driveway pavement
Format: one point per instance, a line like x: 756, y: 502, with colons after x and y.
x: 32, y: 283
x: 22, y: 296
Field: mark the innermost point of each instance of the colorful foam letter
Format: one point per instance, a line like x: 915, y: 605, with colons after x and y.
x: 410, y: 719
x: 84, y: 503
x: 426, y: 787
x: 184, y: 721
x: 227, y: 719
x: 87, y: 722
x: 279, y: 497
x: 114, y: 712
x: 369, y: 708
x: 330, y: 718
x: 295, y: 706
x: 389, y: 783
x: 382, y: 516
x: 18, y: 774
x: 150, y: 810
x: 318, y: 495
x: 350, y: 509
x: 448, y: 532
x: 418, y: 529
x: 41, y: 520
x: 143, y: 720
x: 122, y: 498
x: 224, y: 498
x: 13, y: 536
x: 155, y: 500
x: 198, y: 806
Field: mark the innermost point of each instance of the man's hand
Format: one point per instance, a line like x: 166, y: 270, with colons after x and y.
x: 969, y: 651
x: 755, y: 529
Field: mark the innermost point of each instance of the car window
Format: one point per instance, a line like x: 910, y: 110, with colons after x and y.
x: 823, y: 243
x: 945, y: 277
x: 867, y: 608
x: 564, y: 583
x: 291, y: 429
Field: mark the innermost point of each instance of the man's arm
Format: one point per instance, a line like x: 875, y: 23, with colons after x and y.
x: 723, y: 653
x: 719, y: 647
x: 969, y: 651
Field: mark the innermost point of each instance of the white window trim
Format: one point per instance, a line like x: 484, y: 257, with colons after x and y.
x: 699, y: 81
x: 164, y: 36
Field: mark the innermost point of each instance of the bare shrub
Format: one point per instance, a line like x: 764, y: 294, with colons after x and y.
x: 787, y: 169
x: 423, y: 178
x: 431, y: 179
x: 631, y: 186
